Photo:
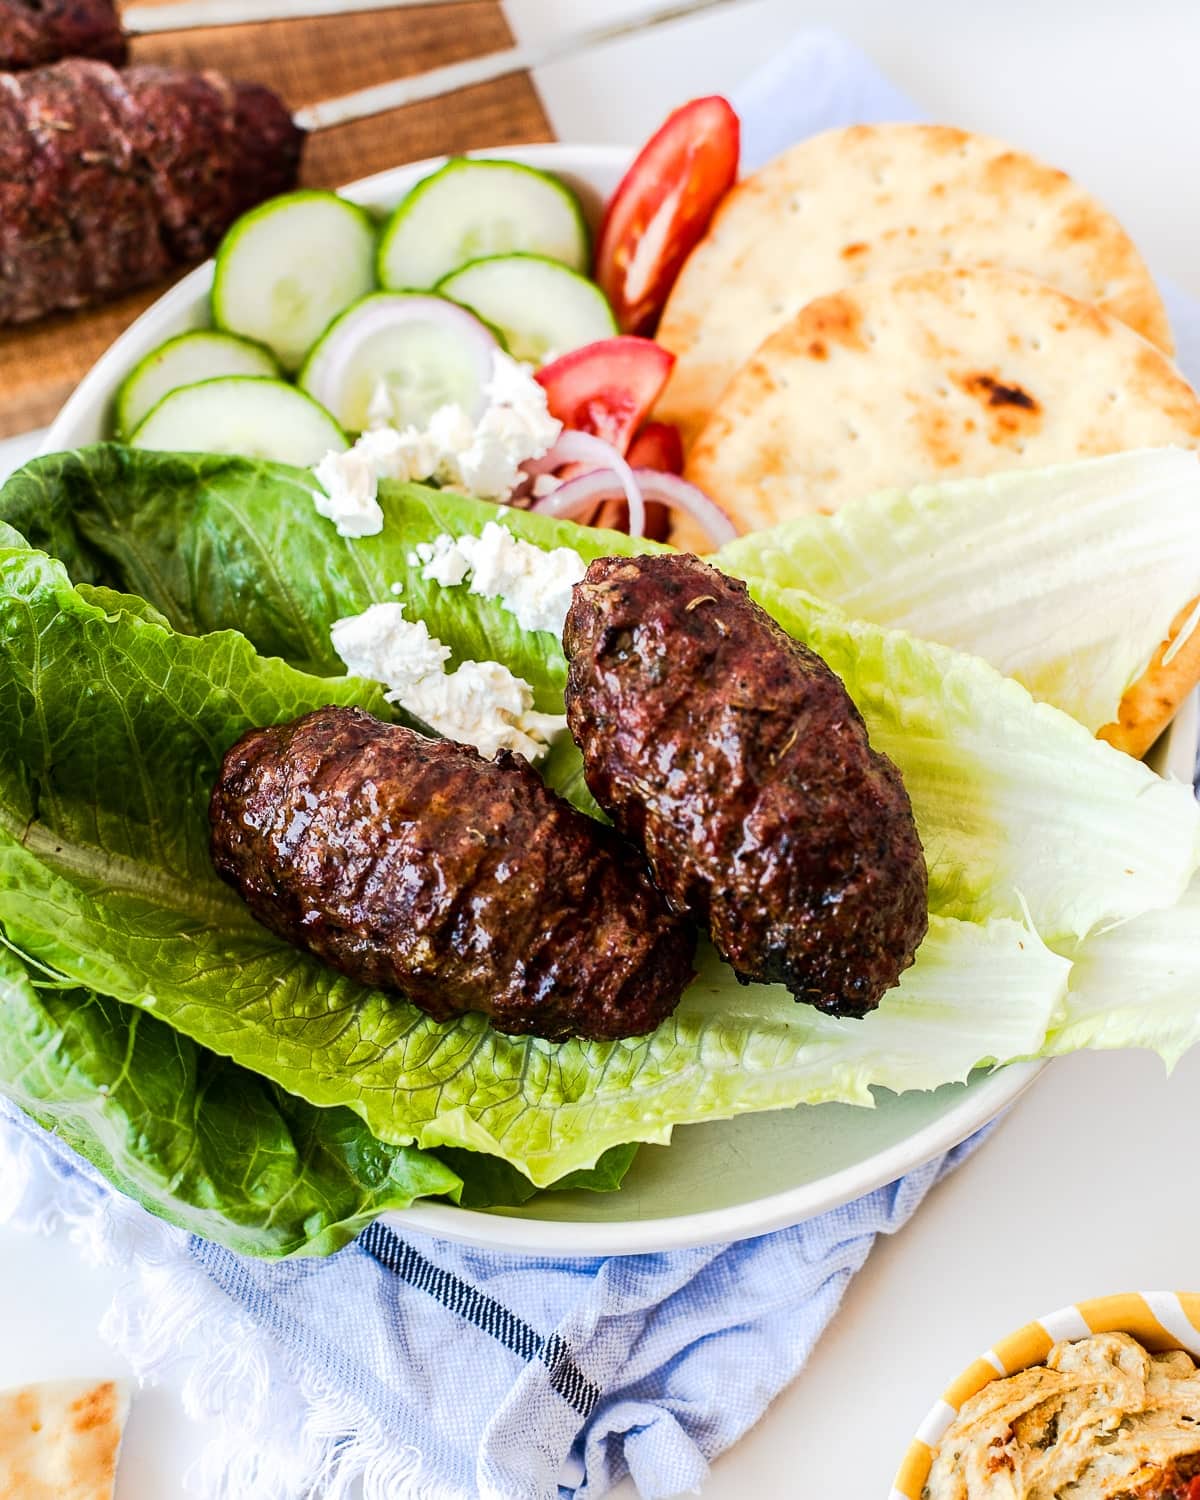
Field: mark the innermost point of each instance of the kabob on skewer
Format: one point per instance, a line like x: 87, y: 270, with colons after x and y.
x: 36, y: 32
x: 110, y: 177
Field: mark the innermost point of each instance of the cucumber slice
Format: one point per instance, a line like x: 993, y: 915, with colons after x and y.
x: 287, y: 268
x: 427, y: 351
x: 470, y: 209
x: 536, y: 304
x: 187, y: 359
x: 243, y: 414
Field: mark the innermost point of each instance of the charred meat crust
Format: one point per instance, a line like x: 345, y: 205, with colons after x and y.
x: 35, y: 32
x: 465, y: 884
x: 109, y: 179
x: 734, y: 757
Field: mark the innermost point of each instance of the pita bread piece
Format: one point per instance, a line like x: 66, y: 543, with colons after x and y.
x: 61, y: 1440
x: 964, y: 371
x: 876, y: 200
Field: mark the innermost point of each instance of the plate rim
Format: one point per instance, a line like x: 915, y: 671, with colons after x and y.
x: 985, y: 1098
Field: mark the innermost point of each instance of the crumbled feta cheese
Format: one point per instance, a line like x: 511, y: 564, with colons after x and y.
x: 407, y: 455
x: 515, y: 397
x: 441, y: 561
x: 480, y: 703
x: 483, y: 458
x: 532, y: 584
x: 382, y: 645
x: 350, y: 484
x: 545, y: 484
x: 396, y: 588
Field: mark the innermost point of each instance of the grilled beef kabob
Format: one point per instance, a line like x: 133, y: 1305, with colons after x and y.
x: 463, y: 883
x: 109, y: 179
x: 36, y: 32
x: 734, y: 758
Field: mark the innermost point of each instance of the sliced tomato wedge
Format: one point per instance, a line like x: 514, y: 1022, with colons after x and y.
x: 663, y: 206
x: 607, y: 387
x: 657, y: 446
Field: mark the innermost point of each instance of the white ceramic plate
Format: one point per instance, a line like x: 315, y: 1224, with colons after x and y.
x: 718, y: 1182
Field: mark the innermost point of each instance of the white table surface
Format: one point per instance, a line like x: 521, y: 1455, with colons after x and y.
x: 1086, y: 1189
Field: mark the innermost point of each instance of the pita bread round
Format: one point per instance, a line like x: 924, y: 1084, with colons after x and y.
x: 876, y: 200
x: 61, y: 1440
x: 963, y: 371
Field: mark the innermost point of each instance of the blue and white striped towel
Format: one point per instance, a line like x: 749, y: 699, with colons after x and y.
x: 425, y: 1369
x: 432, y: 1371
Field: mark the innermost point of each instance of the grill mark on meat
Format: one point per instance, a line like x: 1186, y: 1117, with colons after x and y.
x: 417, y: 866
x: 734, y: 758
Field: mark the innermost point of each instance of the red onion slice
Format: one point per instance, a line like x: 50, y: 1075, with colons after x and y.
x: 594, y: 489
x: 603, y: 458
x: 679, y: 494
x: 584, y: 492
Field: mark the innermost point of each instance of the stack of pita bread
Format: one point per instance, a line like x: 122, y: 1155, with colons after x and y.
x: 888, y: 305
x: 61, y: 1440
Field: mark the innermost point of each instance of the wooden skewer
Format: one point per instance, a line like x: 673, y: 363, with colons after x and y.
x: 192, y: 15
x: 476, y: 70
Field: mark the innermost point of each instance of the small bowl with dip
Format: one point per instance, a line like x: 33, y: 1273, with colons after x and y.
x: 1099, y: 1399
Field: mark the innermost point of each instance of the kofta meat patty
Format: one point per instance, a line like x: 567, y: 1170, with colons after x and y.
x: 33, y: 32
x: 734, y: 757
x: 110, y: 179
x: 466, y: 884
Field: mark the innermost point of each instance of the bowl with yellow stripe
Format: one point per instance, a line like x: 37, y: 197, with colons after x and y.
x: 1158, y: 1320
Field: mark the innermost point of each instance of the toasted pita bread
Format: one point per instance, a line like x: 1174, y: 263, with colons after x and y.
x: 61, y: 1440
x: 876, y: 200
x: 963, y: 371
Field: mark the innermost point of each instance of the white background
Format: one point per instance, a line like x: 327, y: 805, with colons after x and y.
x: 1089, y: 1187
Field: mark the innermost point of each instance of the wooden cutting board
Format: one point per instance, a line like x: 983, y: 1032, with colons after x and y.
x: 304, y: 60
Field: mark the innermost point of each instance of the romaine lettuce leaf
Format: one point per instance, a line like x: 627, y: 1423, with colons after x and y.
x: 204, y: 1144
x: 1065, y: 578
x: 1137, y: 985
x: 219, y: 543
x: 214, y: 1148
x: 116, y: 726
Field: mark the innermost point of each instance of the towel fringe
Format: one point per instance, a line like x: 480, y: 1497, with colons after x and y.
x: 285, y: 1433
